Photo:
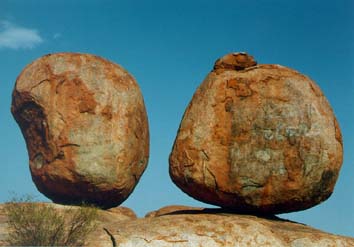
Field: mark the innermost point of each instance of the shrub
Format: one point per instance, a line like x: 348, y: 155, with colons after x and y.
x: 33, y: 224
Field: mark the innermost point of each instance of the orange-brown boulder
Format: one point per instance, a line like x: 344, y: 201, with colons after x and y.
x: 257, y: 139
x: 85, y: 126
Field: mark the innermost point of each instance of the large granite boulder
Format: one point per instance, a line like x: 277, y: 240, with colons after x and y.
x: 257, y: 139
x: 181, y: 226
x: 212, y: 228
x: 85, y: 126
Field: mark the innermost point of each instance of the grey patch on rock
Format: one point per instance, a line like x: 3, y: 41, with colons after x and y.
x: 38, y: 161
x: 263, y: 155
x: 327, y: 178
x: 248, y: 184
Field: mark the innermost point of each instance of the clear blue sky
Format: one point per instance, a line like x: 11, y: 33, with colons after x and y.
x: 169, y: 47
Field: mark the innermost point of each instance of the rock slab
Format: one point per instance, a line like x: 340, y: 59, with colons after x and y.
x: 182, y: 226
x: 213, y: 227
x: 257, y: 139
x: 85, y: 126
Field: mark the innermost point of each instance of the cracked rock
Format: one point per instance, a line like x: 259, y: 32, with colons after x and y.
x: 182, y: 226
x: 257, y: 139
x: 216, y: 227
x: 234, y: 61
x: 85, y: 126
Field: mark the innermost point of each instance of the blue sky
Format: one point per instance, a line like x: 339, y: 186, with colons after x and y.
x: 169, y: 47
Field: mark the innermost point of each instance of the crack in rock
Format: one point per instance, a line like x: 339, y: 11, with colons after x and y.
x: 114, y: 243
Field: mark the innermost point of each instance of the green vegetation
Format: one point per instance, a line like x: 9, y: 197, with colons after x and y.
x: 35, y: 224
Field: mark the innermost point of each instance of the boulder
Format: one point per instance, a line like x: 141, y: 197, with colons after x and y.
x: 85, y: 126
x: 258, y: 139
x: 213, y: 227
x: 234, y: 61
x: 188, y: 226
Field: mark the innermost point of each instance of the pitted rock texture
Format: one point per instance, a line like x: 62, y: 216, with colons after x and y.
x: 234, y: 61
x: 259, y: 140
x: 85, y: 126
x: 212, y: 228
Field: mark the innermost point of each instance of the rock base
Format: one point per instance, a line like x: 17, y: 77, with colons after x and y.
x: 181, y: 226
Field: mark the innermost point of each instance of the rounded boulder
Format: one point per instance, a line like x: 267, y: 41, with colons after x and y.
x: 85, y: 126
x: 259, y: 139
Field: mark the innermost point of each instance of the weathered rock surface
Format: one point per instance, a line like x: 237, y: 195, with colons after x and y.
x: 85, y: 126
x: 257, y: 139
x: 211, y: 227
x: 99, y: 237
x: 189, y: 226
x: 234, y: 61
x: 170, y: 209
